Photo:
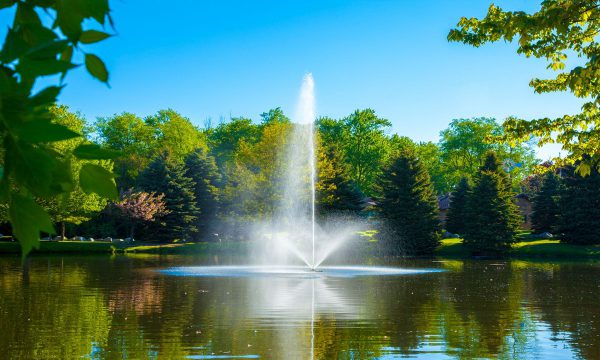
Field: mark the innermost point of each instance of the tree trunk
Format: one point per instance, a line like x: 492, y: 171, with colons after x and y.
x: 62, y: 230
x: 131, y: 230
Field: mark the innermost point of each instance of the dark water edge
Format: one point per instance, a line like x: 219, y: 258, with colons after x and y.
x: 114, y: 307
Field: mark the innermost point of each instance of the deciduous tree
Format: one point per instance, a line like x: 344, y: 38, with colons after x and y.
x: 140, y: 206
x: 559, y: 29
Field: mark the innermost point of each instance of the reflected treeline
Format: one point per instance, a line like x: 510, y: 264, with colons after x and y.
x: 114, y: 308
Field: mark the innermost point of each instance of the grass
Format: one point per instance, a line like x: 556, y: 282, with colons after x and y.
x: 449, y: 248
x: 85, y: 247
x: 544, y: 248
x: 78, y: 247
x: 187, y: 248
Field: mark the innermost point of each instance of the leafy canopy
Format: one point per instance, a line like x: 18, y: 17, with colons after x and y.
x: 35, y: 48
x: 560, y: 28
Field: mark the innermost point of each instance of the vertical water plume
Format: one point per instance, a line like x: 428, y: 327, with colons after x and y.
x: 305, y: 116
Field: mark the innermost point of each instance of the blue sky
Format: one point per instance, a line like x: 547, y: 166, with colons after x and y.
x: 213, y: 59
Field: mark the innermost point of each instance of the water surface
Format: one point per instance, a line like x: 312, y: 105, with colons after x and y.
x: 121, y: 307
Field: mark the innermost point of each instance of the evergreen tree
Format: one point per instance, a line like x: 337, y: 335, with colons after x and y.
x: 169, y: 177
x: 203, y: 171
x: 457, y: 213
x: 492, y: 215
x: 545, y: 211
x: 336, y: 190
x: 579, y: 204
x: 409, y: 204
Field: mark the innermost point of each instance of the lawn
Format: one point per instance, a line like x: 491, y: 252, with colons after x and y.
x: 544, y: 248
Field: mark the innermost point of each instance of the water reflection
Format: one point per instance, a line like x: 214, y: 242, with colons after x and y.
x: 114, y: 308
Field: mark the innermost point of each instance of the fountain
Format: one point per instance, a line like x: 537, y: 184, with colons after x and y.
x: 294, y: 243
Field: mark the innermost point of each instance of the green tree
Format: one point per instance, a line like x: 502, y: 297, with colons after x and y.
x: 225, y: 139
x: 168, y: 177
x: 202, y: 169
x: 135, y: 140
x: 579, y: 211
x: 465, y: 143
x: 492, y: 216
x: 409, y: 205
x: 34, y: 48
x: 274, y: 116
x: 365, y: 146
x: 335, y: 189
x: 458, y: 212
x: 560, y: 28
x: 545, y: 205
x: 77, y: 206
x: 176, y: 134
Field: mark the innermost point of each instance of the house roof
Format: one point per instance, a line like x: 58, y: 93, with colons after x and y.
x: 444, y: 202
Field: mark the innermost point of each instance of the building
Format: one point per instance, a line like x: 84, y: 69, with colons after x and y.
x: 522, y: 201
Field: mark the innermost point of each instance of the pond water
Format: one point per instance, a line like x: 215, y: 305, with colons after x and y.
x: 121, y: 307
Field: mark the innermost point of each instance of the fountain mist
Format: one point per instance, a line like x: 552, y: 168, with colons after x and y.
x: 294, y: 234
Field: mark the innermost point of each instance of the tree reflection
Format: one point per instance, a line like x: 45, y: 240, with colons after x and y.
x: 114, y: 308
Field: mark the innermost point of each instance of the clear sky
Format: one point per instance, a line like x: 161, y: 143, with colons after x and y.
x: 213, y: 59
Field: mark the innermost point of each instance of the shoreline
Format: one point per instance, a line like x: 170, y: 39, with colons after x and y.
x: 449, y: 248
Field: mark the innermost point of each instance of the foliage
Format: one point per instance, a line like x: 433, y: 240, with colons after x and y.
x: 225, y: 139
x: 545, y: 205
x: 492, y: 216
x: 457, y: 216
x: 465, y: 143
x: 135, y: 140
x: 579, y: 221
x: 409, y: 205
x: 140, y: 206
x: 176, y: 134
x: 77, y: 206
x: 34, y: 48
x: 365, y: 146
x: 202, y: 169
x: 335, y: 190
x: 167, y: 176
x: 560, y: 28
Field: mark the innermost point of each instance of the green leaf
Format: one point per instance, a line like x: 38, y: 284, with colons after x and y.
x: 46, y: 96
x: 92, y: 36
x: 31, y: 166
x: 7, y: 3
x: 67, y: 54
x: 14, y: 46
x: 583, y: 169
x: 96, y: 179
x: 28, y: 219
x: 95, y: 152
x: 31, y: 68
x: 48, y: 50
x: 96, y: 67
x: 40, y: 131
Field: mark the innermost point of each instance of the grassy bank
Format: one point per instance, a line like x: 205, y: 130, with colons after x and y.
x: 546, y: 248
x: 450, y: 248
x: 81, y: 247
x: 77, y: 247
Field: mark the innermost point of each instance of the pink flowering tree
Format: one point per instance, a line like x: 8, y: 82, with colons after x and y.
x: 140, y: 206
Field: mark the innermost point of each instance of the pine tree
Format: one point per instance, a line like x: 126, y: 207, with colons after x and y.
x: 203, y: 171
x: 456, y: 218
x: 492, y: 215
x: 336, y: 190
x: 169, y: 177
x: 579, y: 204
x: 545, y: 210
x: 409, y: 205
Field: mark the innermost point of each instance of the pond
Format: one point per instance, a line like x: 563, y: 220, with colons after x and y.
x: 121, y: 307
